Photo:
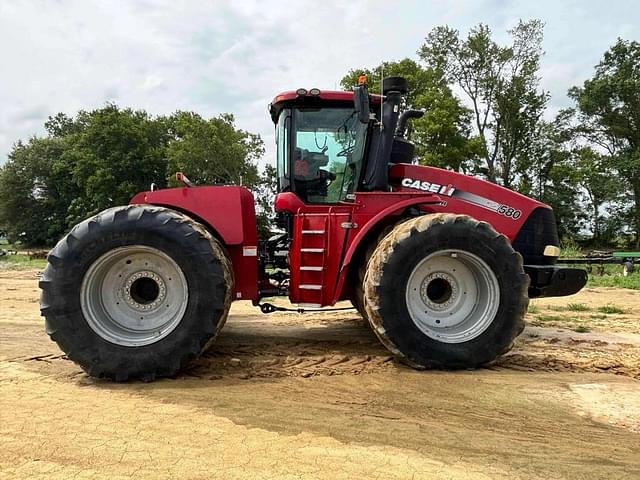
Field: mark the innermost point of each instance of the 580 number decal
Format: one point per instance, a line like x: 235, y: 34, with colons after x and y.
x: 510, y: 212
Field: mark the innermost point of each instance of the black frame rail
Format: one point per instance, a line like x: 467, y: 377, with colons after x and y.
x: 600, y: 259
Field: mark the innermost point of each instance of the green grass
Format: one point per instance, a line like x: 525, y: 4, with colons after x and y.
x: 615, y: 280
x: 552, y: 318
x: 598, y: 316
x: 582, y: 329
x: 557, y: 308
x: 578, y: 307
x: 10, y: 246
x: 21, y: 262
x: 569, y: 249
x: 610, y: 309
x: 533, y: 308
x: 612, y: 275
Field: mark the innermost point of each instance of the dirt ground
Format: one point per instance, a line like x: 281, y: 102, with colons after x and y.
x: 291, y: 396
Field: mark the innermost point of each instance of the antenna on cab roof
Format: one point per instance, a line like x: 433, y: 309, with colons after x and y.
x: 381, y: 95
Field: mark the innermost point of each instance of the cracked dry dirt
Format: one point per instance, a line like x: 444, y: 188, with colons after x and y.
x: 316, y: 396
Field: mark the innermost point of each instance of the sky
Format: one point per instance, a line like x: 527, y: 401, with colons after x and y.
x: 214, y: 57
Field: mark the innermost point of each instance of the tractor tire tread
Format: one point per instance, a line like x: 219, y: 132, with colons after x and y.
x: 60, y: 285
x: 389, y: 246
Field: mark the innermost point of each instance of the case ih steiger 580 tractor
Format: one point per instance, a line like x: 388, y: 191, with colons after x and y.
x: 442, y: 265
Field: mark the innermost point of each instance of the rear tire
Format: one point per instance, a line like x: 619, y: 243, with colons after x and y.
x: 136, y: 292
x: 446, y: 291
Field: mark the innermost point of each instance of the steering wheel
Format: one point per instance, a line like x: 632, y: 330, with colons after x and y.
x: 346, y: 151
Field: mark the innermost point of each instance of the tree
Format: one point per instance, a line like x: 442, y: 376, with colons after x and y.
x: 501, y: 84
x: 601, y: 188
x: 442, y: 134
x: 112, y: 154
x: 264, y: 193
x: 609, y: 117
x: 212, y: 151
x: 29, y: 193
x: 552, y: 177
x: 101, y: 158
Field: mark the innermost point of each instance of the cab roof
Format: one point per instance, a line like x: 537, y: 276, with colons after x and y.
x: 334, y: 98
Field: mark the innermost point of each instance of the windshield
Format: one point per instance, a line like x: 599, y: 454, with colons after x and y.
x: 327, y: 153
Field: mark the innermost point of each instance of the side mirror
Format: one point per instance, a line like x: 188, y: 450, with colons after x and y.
x: 361, y: 102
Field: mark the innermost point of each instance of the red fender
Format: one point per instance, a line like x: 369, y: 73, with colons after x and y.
x: 229, y: 212
x: 424, y: 200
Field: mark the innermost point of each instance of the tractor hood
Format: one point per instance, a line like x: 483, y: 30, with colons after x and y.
x: 528, y: 223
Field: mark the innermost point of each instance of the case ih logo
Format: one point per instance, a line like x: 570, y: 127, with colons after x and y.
x: 428, y: 186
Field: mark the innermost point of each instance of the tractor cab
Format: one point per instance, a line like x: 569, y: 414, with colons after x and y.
x: 321, y: 145
x: 331, y: 144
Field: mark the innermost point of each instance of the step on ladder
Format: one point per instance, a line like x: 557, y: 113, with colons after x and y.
x: 314, y: 243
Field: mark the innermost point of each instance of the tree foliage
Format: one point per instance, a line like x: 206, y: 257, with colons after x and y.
x: 608, y: 107
x: 595, y: 176
x: 265, y: 192
x: 551, y: 176
x: 101, y: 158
x: 584, y: 163
x: 442, y: 135
x: 483, y: 115
x: 32, y: 192
x: 110, y: 154
x: 501, y: 83
x: 212, y: 151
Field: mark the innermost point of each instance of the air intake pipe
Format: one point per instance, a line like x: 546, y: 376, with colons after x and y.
x: 381, y: 140
x: 401, y: 130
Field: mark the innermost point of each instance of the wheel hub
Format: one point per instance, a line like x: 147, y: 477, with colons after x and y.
x: 439, y: 291
x: 144, y: 290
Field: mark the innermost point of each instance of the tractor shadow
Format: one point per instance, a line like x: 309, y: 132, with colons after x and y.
x: 252, y: 346
x: 291, y: 345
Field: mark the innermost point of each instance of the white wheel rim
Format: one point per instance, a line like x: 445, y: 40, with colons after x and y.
x: 452, y: 296
x: 134, y: 296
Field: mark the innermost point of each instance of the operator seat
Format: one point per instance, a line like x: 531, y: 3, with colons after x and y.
x: 309, y: 179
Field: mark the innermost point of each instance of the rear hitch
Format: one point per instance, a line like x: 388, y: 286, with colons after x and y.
x: 267, y: 308
x: 270, y: 308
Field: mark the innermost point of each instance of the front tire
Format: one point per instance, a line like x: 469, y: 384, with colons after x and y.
x: 136, y: 292
x: 446, y: 291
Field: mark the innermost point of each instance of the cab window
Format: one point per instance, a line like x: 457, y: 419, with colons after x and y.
x: 327, y: 153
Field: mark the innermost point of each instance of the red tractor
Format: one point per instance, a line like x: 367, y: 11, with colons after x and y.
x: 442, y: 265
